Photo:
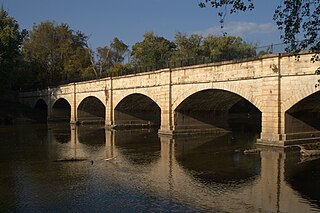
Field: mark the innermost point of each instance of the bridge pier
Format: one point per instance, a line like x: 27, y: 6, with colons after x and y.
x: 280, y: 87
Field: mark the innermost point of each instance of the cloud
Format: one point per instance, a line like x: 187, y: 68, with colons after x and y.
x: 241, y: 29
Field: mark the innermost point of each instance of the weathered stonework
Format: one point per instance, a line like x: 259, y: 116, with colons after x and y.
x: 273, y: 84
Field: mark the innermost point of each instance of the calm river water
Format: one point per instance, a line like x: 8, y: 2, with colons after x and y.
x: 137, y: 171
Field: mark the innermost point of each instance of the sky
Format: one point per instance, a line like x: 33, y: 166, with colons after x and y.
x: 128, y: 20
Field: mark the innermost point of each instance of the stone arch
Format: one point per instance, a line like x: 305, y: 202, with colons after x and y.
x: 302, y: 118
x: 40, y: 103
x: 297, y: 97
x: 61, y: 110
x: 229, y: 87
x: 91, y: 109
x: 137, y: 110
x: 41, y: 107
x: 152, y: 94
x: 217, y: 109
x: 98, y: 96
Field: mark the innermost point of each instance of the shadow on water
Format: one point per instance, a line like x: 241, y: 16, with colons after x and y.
x: 92, y: 135
x: 220, y: 158
x: 303, y: 175
x: 204, y: 173
x: 61, y: 132
x: 139, y: 147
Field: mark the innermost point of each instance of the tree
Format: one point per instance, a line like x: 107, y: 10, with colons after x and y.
x: 187, y: 47
x: 215, y: 47
x: 227, y: 48
x: 10, y: 41
x: 56, y: 52
x: 108, y: 56
x: 299, y: 20
x: 153, y: 51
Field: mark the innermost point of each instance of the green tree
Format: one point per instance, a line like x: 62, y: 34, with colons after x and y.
x: 299, y: 20
x: 108, y: 57
x: 227, y: 48
x: 187, y: 47
x: 56, y: 52
x: 153, y: 51
x: 10, y: 41
x: 215, y: 47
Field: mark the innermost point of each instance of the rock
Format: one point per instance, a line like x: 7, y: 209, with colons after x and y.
x: 251, y: 151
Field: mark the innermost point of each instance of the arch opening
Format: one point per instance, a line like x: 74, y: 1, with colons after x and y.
x: 215, y: 109
x: 42, y: 110
x: 302, y: 119
x: 61, y: 111
x: 91, y: 110
x: 137, y: 111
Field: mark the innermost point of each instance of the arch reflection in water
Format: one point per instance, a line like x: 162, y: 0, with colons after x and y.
x: 218, y: 158
x: 75, y: 142
x: 60, y: 132
x: 303, y: 176
x: 138, y: 147
x: 145, y: 181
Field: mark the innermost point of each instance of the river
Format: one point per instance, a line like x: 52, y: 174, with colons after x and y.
x: 139, y: 171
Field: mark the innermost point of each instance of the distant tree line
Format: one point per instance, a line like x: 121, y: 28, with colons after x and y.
x: 52, y: 54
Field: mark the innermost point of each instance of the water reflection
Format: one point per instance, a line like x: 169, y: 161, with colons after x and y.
x: 218, y: 159
x: 303, y: 175
x: 138, y: 147
x: 60, y: 132
x: 149, y: 173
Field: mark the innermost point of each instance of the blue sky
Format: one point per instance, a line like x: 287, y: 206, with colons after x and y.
x: 130, y: 19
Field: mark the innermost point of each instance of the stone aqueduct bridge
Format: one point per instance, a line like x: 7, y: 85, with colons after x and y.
x: 278, y: 89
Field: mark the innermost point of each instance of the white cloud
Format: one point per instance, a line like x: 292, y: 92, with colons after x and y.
x: 241, y: 29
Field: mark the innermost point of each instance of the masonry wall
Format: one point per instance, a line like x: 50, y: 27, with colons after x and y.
x: 273, y: 84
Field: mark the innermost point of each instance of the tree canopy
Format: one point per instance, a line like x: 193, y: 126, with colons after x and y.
x: 157, y: 51
x: 152, y: 51
x: 109, y: 57
x: 217, y: 48
x: 10, y: 41
x: 56, y: 53
x: 298, y: 20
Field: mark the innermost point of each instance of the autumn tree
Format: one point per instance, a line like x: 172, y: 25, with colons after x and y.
x: 153, y: 51
x: 56, y: 52
x: 10, y: 41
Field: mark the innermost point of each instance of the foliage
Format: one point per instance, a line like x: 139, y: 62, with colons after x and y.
x: 227, y: 48
x: 298, y: 19
x: 10, y: 41
x: 187, y: 47
x: 216, y: 47
x: 56, y: 53
x: 119, y: 68
x: 109, y: 56
x: 152, y: 51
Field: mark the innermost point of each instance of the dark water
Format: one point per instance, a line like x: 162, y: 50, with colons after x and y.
x: 147, y: 173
